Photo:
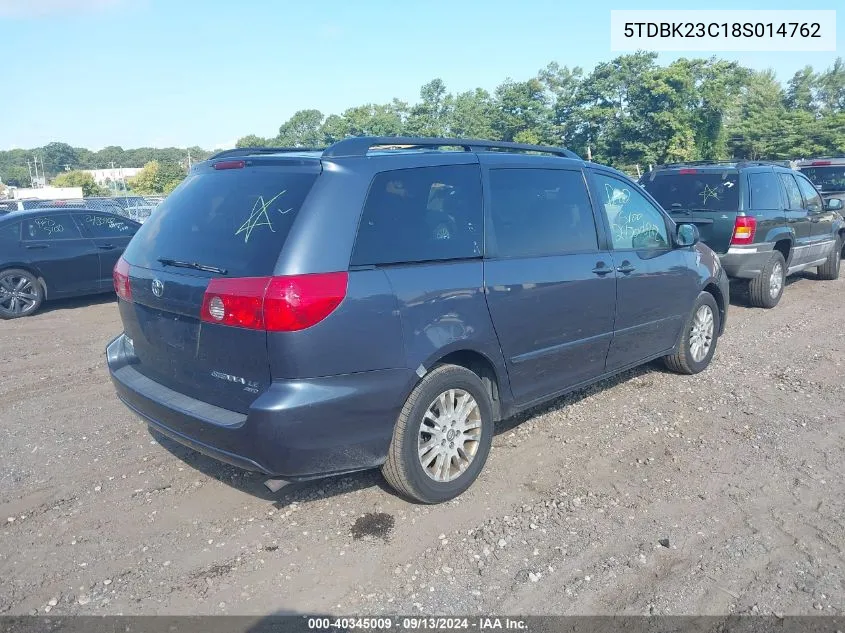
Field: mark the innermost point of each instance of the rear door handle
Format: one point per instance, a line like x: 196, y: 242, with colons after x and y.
x: 602, y: 269
x: 106, y: 247
x: 626, y: 268
x: 33, y: 247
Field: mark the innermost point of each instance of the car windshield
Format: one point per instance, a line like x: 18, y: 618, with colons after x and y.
x: 692, y: 189
x: 826, y: 178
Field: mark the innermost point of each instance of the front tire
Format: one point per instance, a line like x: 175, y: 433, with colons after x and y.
x: 442, y: 437
x: 698, y: 340
x: 830, y: 269
x: 20, y: 293
x: 766, y: 289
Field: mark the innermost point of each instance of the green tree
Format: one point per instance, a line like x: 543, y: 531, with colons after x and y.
x: 430, y: 117
x: 79, y: 179
x: 16, y: 176
x: 252, y: 140
x: 831, y: 87
x: 801, y: 90
x: 57, y: 157
x: 303, y: 129
x: 522, y: 111
x: 157, y: 178
x: 471, y: 115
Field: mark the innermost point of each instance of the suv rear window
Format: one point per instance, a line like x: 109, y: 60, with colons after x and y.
x: 421, y: 214
x: 827, y: 179
x: 694, y: 189
x: 235, y: 219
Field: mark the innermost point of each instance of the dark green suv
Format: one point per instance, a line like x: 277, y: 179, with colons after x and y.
x: 765, y: 221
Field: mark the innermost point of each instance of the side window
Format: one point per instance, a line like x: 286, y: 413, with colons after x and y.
x: 765, y: 192
x: 634, y: 221
x: 812, y: 199
x: 536, y: 212
x: 793, y: 194
x: 102, y: 225
x: 10, y: 234
x: 423, y: 214
x: 52, y: 227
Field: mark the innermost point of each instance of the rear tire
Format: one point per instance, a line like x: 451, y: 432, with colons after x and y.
x: 830, y: 269
x: 766, y: 289
x: 698, y: 339
x: 437, y: 452
x: 21, y: 293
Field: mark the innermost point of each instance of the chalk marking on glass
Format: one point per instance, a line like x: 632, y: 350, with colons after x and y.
x: 258, y: 217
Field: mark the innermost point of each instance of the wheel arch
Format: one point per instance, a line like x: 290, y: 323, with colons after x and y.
x: 32, y: 270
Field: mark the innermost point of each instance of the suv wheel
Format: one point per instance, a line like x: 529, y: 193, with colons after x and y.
x: 698, y: 339
x: 20, y: 293
x: 442, y: 438
x: 830, y: 269
x: 766, y: 289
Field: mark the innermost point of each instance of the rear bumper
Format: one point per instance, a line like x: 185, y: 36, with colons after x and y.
x: 746, y: 262
x: 296, y: 430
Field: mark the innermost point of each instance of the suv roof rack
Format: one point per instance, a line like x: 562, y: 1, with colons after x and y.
x: 737, y: 162
x: 246, y: 151
x: 361, y: 145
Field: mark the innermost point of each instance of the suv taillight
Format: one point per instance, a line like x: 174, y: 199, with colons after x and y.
x: 120, y: 275
x: 274, y: 304
x: 744, y: 228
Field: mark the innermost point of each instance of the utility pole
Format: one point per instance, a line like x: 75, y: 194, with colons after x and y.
x: 29, y: 167
x: 35, y: 162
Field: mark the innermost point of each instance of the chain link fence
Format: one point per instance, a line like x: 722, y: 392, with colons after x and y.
x: 136, y: 208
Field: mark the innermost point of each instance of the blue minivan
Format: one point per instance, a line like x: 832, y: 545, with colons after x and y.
x: 385, y: 301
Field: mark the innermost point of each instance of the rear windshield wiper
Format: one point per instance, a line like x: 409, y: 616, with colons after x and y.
x: 194, y: 265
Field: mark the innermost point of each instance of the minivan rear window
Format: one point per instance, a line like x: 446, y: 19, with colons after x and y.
x: 234, y: 219
x: 695, y: 190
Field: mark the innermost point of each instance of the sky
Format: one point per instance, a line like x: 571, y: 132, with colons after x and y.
x: 180, y: 73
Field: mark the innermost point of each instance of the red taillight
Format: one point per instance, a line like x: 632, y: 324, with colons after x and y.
x: 687, y: 171
x: 744, y: 229
x: 820, y: 162
x: 120, y: 275
x: 229, y: 164
x: 275, y: 304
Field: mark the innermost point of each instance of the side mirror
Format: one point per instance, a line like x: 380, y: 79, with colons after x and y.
x: 834, y: 204
x: 688, y: 235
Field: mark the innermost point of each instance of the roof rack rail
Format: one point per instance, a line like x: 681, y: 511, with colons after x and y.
x: 246, y: 151
x: 736, y: 161
x: 360, y: 145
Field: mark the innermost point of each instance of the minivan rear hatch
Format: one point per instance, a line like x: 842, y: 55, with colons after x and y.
x: 708, y: 198
x: 226, y: 220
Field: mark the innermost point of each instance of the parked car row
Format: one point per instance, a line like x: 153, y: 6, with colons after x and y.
x: 764, y: 221
x: 384, y: 302
x: 57, y: 252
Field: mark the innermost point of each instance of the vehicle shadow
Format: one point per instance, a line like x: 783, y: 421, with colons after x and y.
x: 298, y: 492
x: 739, y: 288
x: 252, y: 483
x: 54, y: 305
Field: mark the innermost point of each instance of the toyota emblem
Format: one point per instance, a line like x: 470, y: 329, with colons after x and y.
x: 158, y: 288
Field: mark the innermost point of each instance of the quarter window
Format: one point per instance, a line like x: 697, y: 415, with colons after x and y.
x: 419, y: 215
x: 634, y: 221
x: 765, y: 193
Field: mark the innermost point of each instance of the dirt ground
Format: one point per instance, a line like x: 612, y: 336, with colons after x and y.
x: 652, y: 493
